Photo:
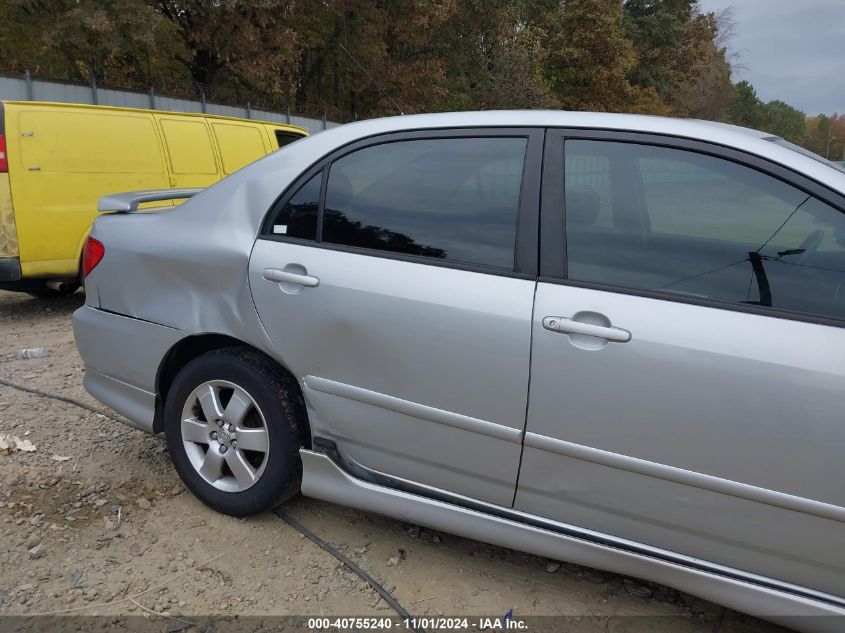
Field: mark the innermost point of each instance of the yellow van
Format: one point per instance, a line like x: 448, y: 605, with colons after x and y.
x: 57, y: 160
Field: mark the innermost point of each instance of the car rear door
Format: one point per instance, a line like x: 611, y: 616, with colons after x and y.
x: 687, y: 372
x: 396, y: 279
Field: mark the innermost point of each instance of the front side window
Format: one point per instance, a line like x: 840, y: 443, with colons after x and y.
x: 677, y: 221
x: 452, y: 199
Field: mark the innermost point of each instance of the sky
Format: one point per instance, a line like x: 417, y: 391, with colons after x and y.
x: 792, y: 50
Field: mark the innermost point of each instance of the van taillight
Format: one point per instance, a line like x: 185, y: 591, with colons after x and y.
x: 92, y: 253
x: 4, y: 160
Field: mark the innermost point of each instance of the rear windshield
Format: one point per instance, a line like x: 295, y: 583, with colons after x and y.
x: 806, y: 152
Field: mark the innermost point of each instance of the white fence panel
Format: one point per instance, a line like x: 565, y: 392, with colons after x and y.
x: 22, y: 89
x: 12, y: 89
x: 65, y: 93
x: 106, y: 96
x: 177, y: 105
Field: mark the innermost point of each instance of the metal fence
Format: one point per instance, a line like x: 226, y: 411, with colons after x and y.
x: 27, y: 88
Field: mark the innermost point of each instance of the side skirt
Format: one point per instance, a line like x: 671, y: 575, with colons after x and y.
x: 324, y: 479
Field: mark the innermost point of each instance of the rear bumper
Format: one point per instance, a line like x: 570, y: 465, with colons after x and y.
x: 122, y: 356
x: 138, y: 406
x: 10, y: 269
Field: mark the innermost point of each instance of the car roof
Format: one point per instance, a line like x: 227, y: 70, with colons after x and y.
x: 743, y: 139
x: 692, y: 128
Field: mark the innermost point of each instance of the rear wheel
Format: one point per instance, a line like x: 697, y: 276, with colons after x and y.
x: 233, y: 430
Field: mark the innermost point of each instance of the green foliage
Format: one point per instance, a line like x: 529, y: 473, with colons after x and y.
x: 590, y: 56
x: 85, y: 39
x: 785, y: 121
x: 658, y: 28
x: 362, y: 58
x: 826, y: 136
x: 746, y: 109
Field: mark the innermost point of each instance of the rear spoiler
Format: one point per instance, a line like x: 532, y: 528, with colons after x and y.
x: 130, y: 201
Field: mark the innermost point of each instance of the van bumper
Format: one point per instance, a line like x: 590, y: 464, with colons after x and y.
x: 10, y: 269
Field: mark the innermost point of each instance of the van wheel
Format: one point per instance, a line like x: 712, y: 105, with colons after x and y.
x: 233, y: 432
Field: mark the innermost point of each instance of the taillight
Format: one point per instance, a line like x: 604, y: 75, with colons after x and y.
x: 4, y: 160
x: 92, y: 253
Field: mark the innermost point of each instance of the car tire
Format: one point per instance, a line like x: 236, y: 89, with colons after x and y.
x: 235, y: 480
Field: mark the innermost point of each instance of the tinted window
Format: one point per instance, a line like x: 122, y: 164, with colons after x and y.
x: 286, y: 138
x: 298, y: 218
x: 663, y: 219
x: 454, y: 199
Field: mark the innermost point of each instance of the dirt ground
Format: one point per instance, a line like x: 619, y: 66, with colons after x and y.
x: 95, y: 521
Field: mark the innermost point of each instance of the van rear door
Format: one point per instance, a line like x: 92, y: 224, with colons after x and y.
x: 61, y: 160
x: 10, y: 268
x: 239, y: 144
x: 190, y: 151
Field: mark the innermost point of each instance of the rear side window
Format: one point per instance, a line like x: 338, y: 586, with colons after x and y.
x: 452, y: 199
x: 286, y: 138
x: 677, y: 221
x: 189, y: 146
x: 239, y: 145
x: 298, y: 216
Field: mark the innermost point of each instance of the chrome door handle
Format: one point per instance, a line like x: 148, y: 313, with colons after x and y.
x: 285, y: 277
x: 564, y: 325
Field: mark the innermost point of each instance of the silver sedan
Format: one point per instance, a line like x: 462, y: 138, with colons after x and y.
x: 609, y: 339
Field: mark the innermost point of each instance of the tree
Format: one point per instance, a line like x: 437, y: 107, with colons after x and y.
x: 746, y: 109
x: 229, y: 45
x: 657, y: 29
x: 353, y: 59
x: 492, y: 52
x: 123, y: 44
x: 681, y: 56
x: 826, y: 136
x: 590, y: 56
x: 785, y: 121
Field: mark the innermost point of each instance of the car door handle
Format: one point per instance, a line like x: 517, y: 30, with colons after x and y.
x: 564, y: 325
x: 285, y: 277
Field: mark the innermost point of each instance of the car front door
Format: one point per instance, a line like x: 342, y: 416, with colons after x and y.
x: 687, y: 374
x: 396, y: 280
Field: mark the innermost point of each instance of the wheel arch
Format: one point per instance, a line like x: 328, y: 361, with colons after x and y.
x: 190, y: 347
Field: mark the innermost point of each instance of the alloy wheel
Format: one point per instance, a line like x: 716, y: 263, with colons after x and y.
x: 225, y: 435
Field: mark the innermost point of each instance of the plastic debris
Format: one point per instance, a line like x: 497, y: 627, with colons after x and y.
x: 33, y: 352
x: 12, y: 443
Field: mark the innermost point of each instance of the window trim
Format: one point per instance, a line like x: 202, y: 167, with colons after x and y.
x: 553, y: 255
x: 527, y: 224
